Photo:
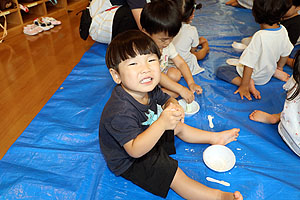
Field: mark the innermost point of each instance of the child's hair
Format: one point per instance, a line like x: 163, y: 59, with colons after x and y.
x: 270, y: 11
x: 127, y: 45
x: 161, y: 16
x: 187, y: 7
x: 296, y: 76
x: 296, y: 3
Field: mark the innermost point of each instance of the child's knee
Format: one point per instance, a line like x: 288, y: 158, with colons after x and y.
x: 227, y: 73
x: 174, y: 74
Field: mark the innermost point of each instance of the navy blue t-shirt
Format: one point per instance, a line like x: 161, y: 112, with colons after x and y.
x: 123, y: 119
x: 131, y: 3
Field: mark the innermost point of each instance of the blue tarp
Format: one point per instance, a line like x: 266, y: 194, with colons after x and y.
x: 58, y: 155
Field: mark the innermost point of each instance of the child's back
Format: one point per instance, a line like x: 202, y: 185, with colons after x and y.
x: 263, y: 53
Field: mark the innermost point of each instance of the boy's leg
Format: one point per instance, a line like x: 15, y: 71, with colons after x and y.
x: 290, y: 62
x: 195, y: 135
x: 174, y: 74
x: 191, y: 189
x: 264, y: 117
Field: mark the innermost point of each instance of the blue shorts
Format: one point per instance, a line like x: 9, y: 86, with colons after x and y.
x: 227, y: 73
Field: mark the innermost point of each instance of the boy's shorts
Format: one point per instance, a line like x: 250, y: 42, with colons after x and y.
x: 154, y: 172
x: 227, y: 73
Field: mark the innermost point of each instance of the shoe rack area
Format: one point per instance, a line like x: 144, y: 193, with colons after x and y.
x: 16, y: 18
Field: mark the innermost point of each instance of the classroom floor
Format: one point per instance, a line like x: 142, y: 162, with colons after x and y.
x: 32, y: 69
x: 58, y: 156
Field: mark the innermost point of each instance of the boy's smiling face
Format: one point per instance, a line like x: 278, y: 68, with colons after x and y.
x: 138, y: 75
x: 161, y: 39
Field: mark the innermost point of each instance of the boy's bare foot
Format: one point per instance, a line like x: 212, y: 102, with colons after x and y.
x: 225, y: 137
x: 253, y: 90
x: 237, y: 195
x: 281, y: 75
x: 260, y: 116
x: 232, y: 196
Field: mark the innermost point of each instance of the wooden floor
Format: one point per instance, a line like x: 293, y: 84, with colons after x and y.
x: 31, y: 69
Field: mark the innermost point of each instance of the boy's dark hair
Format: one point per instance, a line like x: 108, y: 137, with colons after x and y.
x: 296, y: 3
x: 161, y: 16
x: 270, y: 11
x: 127, y: 45
x: 296, y: 76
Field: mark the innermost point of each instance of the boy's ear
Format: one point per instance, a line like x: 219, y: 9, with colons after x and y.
x: 115, y: 75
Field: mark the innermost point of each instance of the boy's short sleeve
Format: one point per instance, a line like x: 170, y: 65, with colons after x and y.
x: 124, y: 128
x: 251, y: 54
x: 172, y: 51
x: 288, y: 47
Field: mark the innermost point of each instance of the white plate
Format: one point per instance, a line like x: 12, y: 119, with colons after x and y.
x: 246, y: 40
x: 219, y: 158
x: 234, y: 62
x: 238, y: 47
x: 189, y: 109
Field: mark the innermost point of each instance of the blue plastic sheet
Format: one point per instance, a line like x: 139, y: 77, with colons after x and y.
x: 58, y: 155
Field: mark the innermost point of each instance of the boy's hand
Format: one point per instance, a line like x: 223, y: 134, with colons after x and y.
x: 195, y: 88
x: 187, y: 95
x: 244, y: 91
x: 171, y: 116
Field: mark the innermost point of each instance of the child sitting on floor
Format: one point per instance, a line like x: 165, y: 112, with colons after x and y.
x: 187, y: 40
x: 161, y: 20
x: 139, y: 121
x: 291, y: 21
x: 289, y: 118
x: 267, y: 52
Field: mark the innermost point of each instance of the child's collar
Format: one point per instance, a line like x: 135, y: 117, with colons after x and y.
x: 274, y: 29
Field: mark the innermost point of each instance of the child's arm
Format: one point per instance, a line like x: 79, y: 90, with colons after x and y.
x: 281, y: 62
x: 203, y: 51
x: 173, y: 86
x: 186, y: 73
x: 145, y: 141
x: 244, y: 89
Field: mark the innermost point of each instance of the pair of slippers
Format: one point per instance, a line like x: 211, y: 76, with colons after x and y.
x: 40, y: 25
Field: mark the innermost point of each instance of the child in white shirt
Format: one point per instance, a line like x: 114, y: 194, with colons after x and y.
x: 289, y: 118
x: 187, y: 40
x: 267, y: 52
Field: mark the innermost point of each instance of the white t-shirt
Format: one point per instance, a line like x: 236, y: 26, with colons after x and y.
x: 263, y: 53
x: 289, y: 126
x: 167, y: 53
x: 102, y: 13
x: 183, y: 42
x: 246, y: 3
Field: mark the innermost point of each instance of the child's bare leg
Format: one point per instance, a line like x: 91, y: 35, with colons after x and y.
x: 191, y: 189
x: 195, y: 135
x: 253, y: 90
x: 174, y: 74
x: 264, y: 117
x: 281, y: 75
x: 169, y: 92
x: 290, y: 62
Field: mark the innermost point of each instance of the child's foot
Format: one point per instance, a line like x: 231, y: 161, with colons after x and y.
x: 281, y: 75
x: 260, y: 116
x: 253, y: 90
x: 232, y: 196
x: 225, y: 137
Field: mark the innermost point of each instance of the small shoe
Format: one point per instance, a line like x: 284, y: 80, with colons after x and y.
x: 30, y: 30
x: 53, y: 21
x: 42, y: 24
x: 33, y: 26
x: 46, y: 21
